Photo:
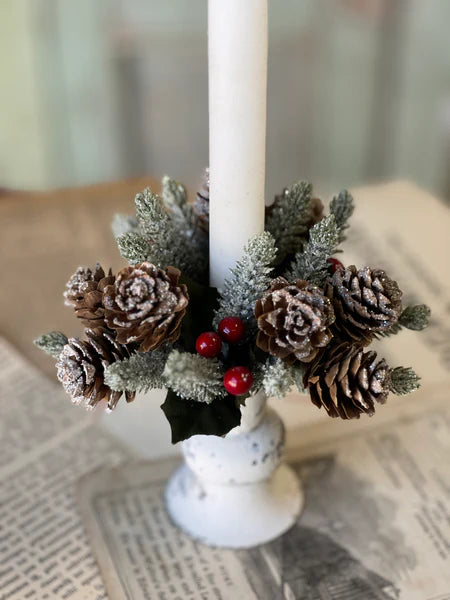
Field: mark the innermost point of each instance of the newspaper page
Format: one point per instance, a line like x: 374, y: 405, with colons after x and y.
x: 376, y: 524
x: 45, y: 446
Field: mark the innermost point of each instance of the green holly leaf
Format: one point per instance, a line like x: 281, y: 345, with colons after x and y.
x: 188, y: 417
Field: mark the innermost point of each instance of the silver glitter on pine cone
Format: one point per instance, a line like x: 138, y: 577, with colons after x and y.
x: 81, y: 367
x: 365, y: 301
x: 146, y: 305
x: 293, y: 320
x: 348, y: 382
x: 85, y: 294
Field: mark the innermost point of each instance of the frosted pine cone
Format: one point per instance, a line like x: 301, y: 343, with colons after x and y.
x: 293, y: 320
x: 81, y: 366
x: 146, y: 305
x: 365, y: 301
x: 85, y: 292
x: 347, y: 382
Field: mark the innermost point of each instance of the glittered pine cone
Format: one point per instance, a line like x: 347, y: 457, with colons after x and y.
x: 365, y: 301
x: 85, y: 293
x: 201, y: 204
x: 81, y: 368
x: 348, y: 382
x: 293, y: 320
x: 146, y: 305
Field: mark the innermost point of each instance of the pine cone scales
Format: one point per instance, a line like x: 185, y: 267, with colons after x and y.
x: 81, y: 364
x: 293, y: 320
x: 365, y: 301
x: 85, y: 292
x: 348, y: 381
x: 146, y: 305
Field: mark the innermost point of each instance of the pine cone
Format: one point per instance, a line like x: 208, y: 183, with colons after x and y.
x: 293, y: 320
x: 347, y: 381
x: 81, y: 364
x: 365, y: 301
x: 146, y: 305
x: 201, y: 204
x: 85, y: 292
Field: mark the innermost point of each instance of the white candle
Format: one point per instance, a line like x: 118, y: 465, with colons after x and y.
x: 237, y: 128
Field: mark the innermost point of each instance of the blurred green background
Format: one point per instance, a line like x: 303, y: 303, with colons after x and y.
x: 359, y: 90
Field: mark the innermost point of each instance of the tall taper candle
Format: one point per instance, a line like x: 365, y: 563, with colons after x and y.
x: 237, y: 128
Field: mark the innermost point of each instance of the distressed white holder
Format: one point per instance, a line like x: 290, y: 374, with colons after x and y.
x: 236, y: 492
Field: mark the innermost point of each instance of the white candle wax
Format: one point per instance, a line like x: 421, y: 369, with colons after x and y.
x: 237, y: 128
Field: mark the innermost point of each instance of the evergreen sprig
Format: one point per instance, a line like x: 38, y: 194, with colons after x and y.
x: 249, y: 279
x: 194, y: 377
x: 342, y: 208
x: 415, y: 318
x: 289, y: 219
x: 140, y: 372
x: 174, y: 197
x: 133, y: 247
x: 403, y: 380
x: 311, y: 263
x: 52, y: 343
x: 277, y: 377
x: 163, y: 241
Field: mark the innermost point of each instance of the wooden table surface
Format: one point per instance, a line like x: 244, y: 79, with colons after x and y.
x: 44, y: 237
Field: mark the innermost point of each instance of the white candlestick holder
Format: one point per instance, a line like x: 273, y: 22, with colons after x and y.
x: 235, y: 491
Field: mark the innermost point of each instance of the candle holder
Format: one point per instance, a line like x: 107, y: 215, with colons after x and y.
x: 288, y: 314
x: 235, y: 491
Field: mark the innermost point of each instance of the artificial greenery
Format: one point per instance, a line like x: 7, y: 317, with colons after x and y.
x: 161, y: 240
x: 140, y: 372
x: 289, y: 219
x: 342, y: 207
x: 403, y: 381
x: 194, y: 377
x: 415, y: 318
x: 297, y: 244
x: 277, y: 377
x: 52, y: 343
x: 248, y: 281
x: 311, y: 263
x: 189, y: 417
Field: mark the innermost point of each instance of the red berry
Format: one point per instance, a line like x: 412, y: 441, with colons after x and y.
x: 335, y: 264
x: 208, y: 344
x: 231, y: 329
x: 238, y: 380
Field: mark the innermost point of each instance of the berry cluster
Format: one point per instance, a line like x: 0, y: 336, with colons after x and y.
x: 237, y: 379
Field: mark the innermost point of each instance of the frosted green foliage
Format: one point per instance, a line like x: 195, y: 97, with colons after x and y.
x: 133, y: 247
x: 342, y: 208
x: 289, y: 219
x: 311, y: 263
x: 142, y: 371
x: 277, y: 377
x: 403, y: 381
x: 168, y: 244
x: 124, y: 224
x: 194, y: 377
x: 249, y: 279
x: 415, y: 317
x: 174, y: 198
x: 52, y: 343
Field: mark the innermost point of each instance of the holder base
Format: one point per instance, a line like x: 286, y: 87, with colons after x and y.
x: 234, y: 516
